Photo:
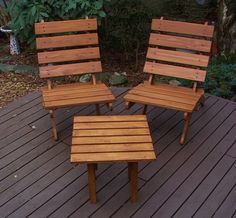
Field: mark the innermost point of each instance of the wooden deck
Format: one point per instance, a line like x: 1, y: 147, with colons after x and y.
x: 197, y: 179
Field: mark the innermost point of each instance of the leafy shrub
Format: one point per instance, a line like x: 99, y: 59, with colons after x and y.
x: 221, y: 78
x: 25, y: 13
x: 127, y: 26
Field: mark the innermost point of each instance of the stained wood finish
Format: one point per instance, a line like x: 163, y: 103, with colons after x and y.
x: 175, y: 52
x: 67, y: 41
x: 182, y: 28
x: 164, y: 96
x: 178, y: 57
x: 175, y: 71
x: 68, y: 55
x: 70, y: 69
x: 108, y: 143
x: 70, y: 49
x: 185, y: 181
x: 65, y: 26
x: 100, y: 139
x: 85, y: 94
x: 180, y: 42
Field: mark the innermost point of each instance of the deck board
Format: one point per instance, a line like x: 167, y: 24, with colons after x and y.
x: 37, y: 179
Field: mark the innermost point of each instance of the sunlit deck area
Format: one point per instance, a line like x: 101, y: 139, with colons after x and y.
x: 197, y: 179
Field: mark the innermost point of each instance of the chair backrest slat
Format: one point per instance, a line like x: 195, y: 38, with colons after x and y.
x: 65, y: 26
x: 68, y: 55
x: 180, y: 42
x: 67, y: 41
x: 179, y: 49
x: 192, y: 29
x: 68, y: 48
x: 175, y: 71
x: 71, y: 69
x: 178, y: 57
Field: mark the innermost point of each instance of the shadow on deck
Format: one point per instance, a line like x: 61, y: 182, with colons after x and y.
x: 198, y: 179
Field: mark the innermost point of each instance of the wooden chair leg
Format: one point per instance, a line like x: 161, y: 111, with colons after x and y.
x: 144, y: 110
x: 97, y: 109
x: 187, y: 117
x: 109, y: 106
x: 128, y: 105
x: 92, y: 183
x: 202, y: 101
x: 133, y: 171
x: 54, y: 125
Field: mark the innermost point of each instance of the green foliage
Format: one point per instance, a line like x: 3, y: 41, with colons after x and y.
x: 221, y: 78
x: 189, y: 10
x: 25, y: 13
x: 127, y: 26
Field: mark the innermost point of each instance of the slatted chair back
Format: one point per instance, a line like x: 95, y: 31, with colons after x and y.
x: 67, y: 48
x: 179, y: 49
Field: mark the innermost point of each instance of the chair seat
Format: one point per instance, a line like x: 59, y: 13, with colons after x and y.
x: 76, y: 94
x: 167, y: 96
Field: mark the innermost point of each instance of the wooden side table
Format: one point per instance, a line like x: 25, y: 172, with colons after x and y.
x: 100, y: 139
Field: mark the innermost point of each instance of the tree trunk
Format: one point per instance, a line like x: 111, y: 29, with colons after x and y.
x: 227, y: 26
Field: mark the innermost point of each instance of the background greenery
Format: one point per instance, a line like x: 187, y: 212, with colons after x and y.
x: 125, y: 27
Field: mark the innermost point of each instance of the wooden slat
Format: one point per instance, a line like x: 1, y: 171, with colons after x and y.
x: 111, y: 148
x: 111, y: 125
x: 163, y: 96
x: 70, y: 88
x: 75, y: 95
x: 110, y: 118
x: 111, y: 132
x: 70, y: 69
x: 57, y: 92
x: 155, y: 90
x: 67, y: 41
x: 174, y: 89
x: 114, y: 156
x: 175, y: 71
x: 159, y: 102
x: 68, y: 55
x: 110, y: 140
x: 183, y: 28
x: 180, y: 42
x: 79, y: 101
x: 178, y: 57
x: 65, y: 26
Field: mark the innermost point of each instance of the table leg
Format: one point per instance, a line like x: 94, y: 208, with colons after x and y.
x: 92, y: 182
x: 133, y: 172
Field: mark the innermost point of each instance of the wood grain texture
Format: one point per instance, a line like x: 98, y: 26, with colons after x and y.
x: 67, y: 41
x: 70, y: 69
x: 68, y: 55
x: 113, y: 157
x: 180, y: 42
x: 65, y: 26
x: 175, y: 71
x: 183, y: 28
x: 178, y: 57
x: 111, y: 138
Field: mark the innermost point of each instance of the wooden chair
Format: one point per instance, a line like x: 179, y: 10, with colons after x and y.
x: 69, y: 48
x: 178, y: 50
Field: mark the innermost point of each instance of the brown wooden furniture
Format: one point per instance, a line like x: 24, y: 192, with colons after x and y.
x: 179, y: 50
x: 99, y: 139
x: 69, y: 48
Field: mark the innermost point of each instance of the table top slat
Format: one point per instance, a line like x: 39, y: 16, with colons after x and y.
x: 111, y: 139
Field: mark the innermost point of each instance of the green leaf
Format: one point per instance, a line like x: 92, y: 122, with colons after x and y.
x: 102, y: 14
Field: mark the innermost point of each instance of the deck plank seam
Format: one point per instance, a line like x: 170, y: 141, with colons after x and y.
x: 29, y: 174
x: 169, y: 160
x: 216, y: 187
x: 194, y: 171
x: 176, y: 138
